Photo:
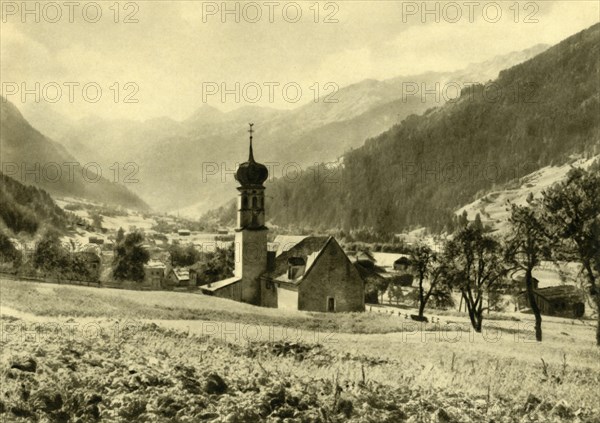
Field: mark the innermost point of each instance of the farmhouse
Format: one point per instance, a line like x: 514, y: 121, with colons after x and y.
x: 295, y: 272
x: 178, y: 277
x: 154, y: 273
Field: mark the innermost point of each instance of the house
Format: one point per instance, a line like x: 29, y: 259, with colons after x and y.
x: 310, y: 273
x: 560, y: 301
x: 373, y: 275
x: 96, y: 240
x: 154, y: 273
x: 178, y: 277
x: 390, y: 262
x: 402, y: 264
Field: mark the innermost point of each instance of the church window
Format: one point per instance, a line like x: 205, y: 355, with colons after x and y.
x: 254, y: 202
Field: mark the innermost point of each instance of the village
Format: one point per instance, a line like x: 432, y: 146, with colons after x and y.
x: 313, y: 272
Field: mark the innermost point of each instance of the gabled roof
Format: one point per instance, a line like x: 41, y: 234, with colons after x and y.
x: 567, y: 292
x: 314, y: 257
x: 388, y: 259
x: 311, y: 262
x: 283, y: 243
x: 182, y: 274
x: 369, y: 271
x: 155, y: 264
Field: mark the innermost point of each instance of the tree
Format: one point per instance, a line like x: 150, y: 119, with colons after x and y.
x: 50, y: 256
x: 572, y: 208
x: 382, y: 284
x: 425, y: 265
x: 183, y: 256
x: 473, y: 263
x: 395, y: 290
x: 215, y: 266
x: 8, y: 251
x: 120, y: 235
x: 130, y: 257
x: 526, y: 245
x: 96, y: 220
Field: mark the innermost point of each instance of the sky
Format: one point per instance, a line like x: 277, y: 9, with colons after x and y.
x: 146, y: 59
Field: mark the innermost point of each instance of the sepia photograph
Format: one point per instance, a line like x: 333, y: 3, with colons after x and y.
x: 311, y: 211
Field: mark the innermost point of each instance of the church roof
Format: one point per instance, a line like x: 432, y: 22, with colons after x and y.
x: 312, y: 259
x: 251, y: 173
x: 220, y: 284
x: 283, y: 243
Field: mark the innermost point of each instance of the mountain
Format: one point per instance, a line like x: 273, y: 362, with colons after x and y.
x: 32, y: 158
x: 535, y: 114
x: 188, y: 166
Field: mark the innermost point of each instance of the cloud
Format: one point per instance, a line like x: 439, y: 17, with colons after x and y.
x: 172, y: 50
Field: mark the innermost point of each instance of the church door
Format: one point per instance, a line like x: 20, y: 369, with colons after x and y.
x: 330, y: 304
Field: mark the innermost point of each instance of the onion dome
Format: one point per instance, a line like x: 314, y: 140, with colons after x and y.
x: 251, y: 172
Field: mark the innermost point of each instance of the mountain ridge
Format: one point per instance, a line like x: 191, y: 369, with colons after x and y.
x: 38, y: 160
x: 417, y: 172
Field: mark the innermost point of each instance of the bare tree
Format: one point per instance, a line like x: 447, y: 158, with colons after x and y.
x: 526, y: 245
x: 473, y: 263
x: 572, y: 207
x: 426, y: 266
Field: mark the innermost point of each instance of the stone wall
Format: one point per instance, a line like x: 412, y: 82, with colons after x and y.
x: 332, y: 275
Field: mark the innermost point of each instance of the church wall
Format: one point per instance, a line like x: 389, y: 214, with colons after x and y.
x: 268, y: 292
x: 287, y: 299
x: 232, y: 292
x: 332, y: 275
x: 250, y: 262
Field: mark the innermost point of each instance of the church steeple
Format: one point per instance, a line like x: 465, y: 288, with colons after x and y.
x: 251, y: 233
x: 251, y: 173
x: 251, y: 154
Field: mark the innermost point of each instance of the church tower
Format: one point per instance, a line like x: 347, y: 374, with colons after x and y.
x: 251, y: 232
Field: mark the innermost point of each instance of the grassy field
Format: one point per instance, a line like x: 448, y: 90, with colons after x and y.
x: 114, y: 355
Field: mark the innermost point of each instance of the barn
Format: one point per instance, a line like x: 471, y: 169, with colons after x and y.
x: 560, y: 301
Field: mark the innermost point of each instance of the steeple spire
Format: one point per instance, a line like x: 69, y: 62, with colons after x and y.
x: 251, y: 131
x: 251, y: 173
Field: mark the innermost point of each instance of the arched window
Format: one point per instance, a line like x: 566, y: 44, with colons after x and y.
x: 244, y: 202
x: 254, y: 202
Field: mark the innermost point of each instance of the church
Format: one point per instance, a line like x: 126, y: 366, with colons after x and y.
x: 310, y: 273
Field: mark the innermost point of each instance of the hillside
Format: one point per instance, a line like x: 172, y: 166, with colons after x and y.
x: 171, y: 356
x: 171, y: 155
x: 33, y: 158
x: 418, y: 172
x: 493, y: 207
x: 26, y: 208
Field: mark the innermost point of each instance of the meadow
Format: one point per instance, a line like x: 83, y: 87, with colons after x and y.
x: 73, y: 353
